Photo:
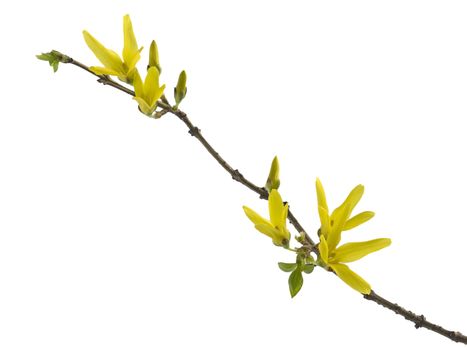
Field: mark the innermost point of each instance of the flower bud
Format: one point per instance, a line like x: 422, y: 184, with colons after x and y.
x: 180, y: 89
x: 273, y: 180
x: 154, y: 57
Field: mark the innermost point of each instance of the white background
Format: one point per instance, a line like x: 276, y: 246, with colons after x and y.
x: 120, y: 232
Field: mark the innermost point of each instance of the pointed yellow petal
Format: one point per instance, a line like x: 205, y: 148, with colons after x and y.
x: 132, y: 64
x: 323, y: 249
x: 321, y: 195
x: 138, y: 85
x: 351, y: 278
x: 130, y: 47
x: 159, y: 93
x: 275, y: 208
x: 354, y: 196
x: 345, y: 209
x: 107, y: 57
x: 352, y: 200
x: 103, y: 70
x: 356, y: 250
x: 151, y: 86
x: 255, y: 218
x: 358, y: 220
x: 268, y: 230
x: 337, y: 223
x: 324, y: 218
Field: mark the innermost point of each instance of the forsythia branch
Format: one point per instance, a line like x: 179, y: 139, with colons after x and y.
x: 418, y: 320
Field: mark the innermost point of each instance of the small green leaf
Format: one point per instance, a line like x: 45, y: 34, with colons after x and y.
x: 273, y: 182
x: 295, y: 282
x: 180, y: 89
x: 54, y: 65
x: 308, y: 268
x: 287, y: 267
x: 44, y: 56
x: 54, y: 58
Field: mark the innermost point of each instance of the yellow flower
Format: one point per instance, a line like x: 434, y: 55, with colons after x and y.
x: 150, y: 92
x: 113, y: 64
x: 330, y: 236
x: 274, y: 228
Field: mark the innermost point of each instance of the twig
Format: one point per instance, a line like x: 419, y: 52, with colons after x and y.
x: 418, y: 320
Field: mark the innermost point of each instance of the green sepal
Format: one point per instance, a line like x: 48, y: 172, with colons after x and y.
x: 295, y: 282
x: 273, y: 182
x: 287, y: 267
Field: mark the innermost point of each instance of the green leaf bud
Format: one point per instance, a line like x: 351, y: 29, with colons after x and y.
x: 287, y: 267
x: 308, y: 268
x: 54, y: 58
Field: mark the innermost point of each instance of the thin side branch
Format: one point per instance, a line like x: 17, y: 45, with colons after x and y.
x: 418, y: 320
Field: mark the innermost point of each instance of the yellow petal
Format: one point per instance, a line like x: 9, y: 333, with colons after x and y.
x: 130, y: 47
x: 132, y: 64
x: 337, y: 223
x: 356, y: 250
x: 351, y: 278
x: 277, y: 237
x: 159, y: 93
x: 151, y: 85
x: 354, y: 196
x: 324, y: 218
x: 323, y: 249
x: 108, y: 58
x: 321, y: 195
x: 255, y: 218
x: 266, y: 229
x: 345, y: 209
x: 358, y: 220
x: 341, y: 214
x: 138, y: 85
x: 352, y: 200
x: 275, y: 208
x: 103, y: 70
